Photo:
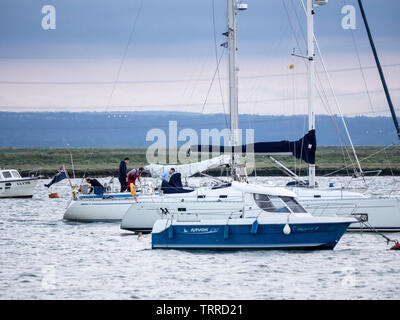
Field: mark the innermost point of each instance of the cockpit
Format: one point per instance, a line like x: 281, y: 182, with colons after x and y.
x: 9, y: 174
x: 282, y: 204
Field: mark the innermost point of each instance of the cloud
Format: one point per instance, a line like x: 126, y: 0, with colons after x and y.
x: 171, y: 60
x: 266, y: 86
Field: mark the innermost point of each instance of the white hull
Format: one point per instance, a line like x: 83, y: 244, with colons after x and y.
x: 99, y: 210
x: 21, y: 188
x: 383, y: 214
x: 218, y: 203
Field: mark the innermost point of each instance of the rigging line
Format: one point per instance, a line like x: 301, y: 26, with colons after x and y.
x: 334, y: 121
x: 389, y: 162
x: 118, y: 73
x: 363, y: 159
x: 304, y: 122
x: 325, y: 103
x: 254, y: 85
x: 361, y: 68
x: 323, y: 95
x: 300, y: 26
x: 197, y: 80
x: 212, y: 80
x: 128, y: 82
x: 378, y: 65
x: 216, y: 61
x: 125, y: 54
x: 338, y: 107
x: 89, y: 160
x: 335, y: 98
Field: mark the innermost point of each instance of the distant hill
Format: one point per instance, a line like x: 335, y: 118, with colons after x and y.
x: 129, y: 129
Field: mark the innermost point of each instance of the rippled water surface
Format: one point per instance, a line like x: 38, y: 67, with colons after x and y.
x: 44, y: 257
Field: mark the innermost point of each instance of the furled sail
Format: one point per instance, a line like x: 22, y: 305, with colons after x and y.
x: 303, y: 148
x: 190, y: 169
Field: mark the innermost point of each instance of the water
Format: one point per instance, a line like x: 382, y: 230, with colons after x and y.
x: 44, y: 257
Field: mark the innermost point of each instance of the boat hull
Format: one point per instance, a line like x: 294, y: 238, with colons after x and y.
x: 22, y: 188
x: 382, y: 214
x: 141, y: 216
x: 242, y: 236
x: 97, y: 210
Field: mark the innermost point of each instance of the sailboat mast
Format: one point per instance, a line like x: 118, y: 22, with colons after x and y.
x: 378, y: 64
x: 233, y: 79
x: 310, y: 82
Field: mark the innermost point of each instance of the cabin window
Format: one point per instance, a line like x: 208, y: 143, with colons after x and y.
x: 7, y: 174
x: 270, y: 203
x: 15, y: 174
x: 293, y: 205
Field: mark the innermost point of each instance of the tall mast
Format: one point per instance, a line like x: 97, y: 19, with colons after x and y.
x: 310, y: 82
x: 233, y: 79
x: 378, y: 64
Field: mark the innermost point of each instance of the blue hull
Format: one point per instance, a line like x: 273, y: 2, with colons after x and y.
x: 264, y: 236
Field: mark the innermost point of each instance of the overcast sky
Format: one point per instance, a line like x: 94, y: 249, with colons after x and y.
x: 161, y: 55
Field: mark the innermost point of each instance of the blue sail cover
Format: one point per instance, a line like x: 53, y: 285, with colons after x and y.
x: 303, y: 148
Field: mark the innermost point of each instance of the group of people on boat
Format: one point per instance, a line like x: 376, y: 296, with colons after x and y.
x: 126, y: 177
x: 171, y: 180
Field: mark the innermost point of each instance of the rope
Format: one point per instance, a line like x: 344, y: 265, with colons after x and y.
x: 217, y: 62
x: 335, y: 99
x: 212, y: 81
x: 118, y: 73
x: 361, y: 68
x: 125, y: 54
x: 323, y: 95
x: 371, y: 155
x: 388, y: 240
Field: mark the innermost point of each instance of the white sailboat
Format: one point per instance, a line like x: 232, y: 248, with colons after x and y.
x: 382, y: 214
x: 112, y: 206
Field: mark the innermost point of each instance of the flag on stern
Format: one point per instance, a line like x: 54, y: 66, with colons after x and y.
x: 60, y: 175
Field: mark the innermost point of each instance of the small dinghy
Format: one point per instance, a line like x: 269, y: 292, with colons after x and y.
x: 274, y: 220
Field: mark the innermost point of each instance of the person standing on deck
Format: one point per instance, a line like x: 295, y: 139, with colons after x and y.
x: 133, y: 175
x: 122, y: 174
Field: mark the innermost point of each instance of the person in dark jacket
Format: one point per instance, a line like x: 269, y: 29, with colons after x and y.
x: 174, y: 185
x: 123, y: 174
x: 94, y: 183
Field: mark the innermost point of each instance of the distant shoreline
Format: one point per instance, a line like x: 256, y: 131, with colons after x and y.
x: 102, y: 162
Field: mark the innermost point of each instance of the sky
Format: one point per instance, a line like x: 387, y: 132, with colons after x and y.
x: 141, y: 55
